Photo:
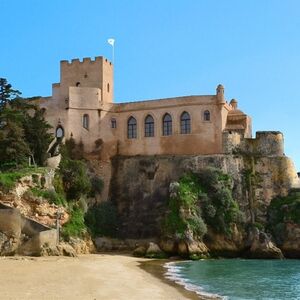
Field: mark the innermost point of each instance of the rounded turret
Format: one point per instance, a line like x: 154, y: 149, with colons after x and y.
x: 220, y: 93
x: 234, y: 104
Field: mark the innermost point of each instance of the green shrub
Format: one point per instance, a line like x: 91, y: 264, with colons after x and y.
x: 203, y: 198
x: 58, y: 184
x: 75, y: 227
x: 75, y: 179
x: 184, y: 214
x: 50, y: 195
x: 280, y: 211
x: 101, y: 219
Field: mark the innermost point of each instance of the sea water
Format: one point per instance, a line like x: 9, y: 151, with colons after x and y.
x: 239, y: 279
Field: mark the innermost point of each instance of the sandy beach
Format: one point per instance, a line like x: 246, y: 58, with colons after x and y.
x: 100, y: 276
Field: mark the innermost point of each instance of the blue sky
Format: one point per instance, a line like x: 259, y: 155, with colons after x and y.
x: 166, y: 48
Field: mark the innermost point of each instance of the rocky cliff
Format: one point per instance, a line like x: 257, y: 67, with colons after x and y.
x: 140, y: 190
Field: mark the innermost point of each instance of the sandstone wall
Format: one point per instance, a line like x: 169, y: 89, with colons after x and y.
x: 139, y: 185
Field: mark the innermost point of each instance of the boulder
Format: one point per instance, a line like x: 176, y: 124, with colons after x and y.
x: 263, y: 247
x: 8, y: 244
x: 153, y: 251
x: 66, y: 250
x: 82, y: 246
x: 193, y: 249
x: 290, y: 243
x: 168, y: 246
x: 197, y: 249
x: 103, y: 244
x: 139, y: 251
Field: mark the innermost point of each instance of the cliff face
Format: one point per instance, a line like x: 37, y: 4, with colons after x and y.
x: 140, y: 185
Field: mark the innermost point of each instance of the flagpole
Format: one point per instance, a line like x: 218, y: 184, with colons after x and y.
x: 112, y: 43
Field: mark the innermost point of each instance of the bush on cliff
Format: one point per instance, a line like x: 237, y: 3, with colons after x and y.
x: 203, y: 198
x: 282, y: 210
x: 51, y: 195
x: 75, y: 180
x: 75, y: 227
x: 184, y: 215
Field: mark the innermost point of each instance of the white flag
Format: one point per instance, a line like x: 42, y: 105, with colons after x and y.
x: 111, y: 41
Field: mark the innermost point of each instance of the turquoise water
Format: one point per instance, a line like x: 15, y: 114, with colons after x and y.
x: 239, y: 279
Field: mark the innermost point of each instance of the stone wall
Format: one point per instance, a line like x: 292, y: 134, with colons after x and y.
x: 16, y: 226
x: 139, y: 186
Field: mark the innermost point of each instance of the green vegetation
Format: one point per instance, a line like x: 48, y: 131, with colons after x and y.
x: 282, y: 210
x: 203, y: 198
x: 184, y: 214
x: 76, y: 182
x: 9, y: 179
x: 24, y: 134
x: 51, y: 195
x: 23, y: 130
x: 101, y: 219
x: 75, y: 227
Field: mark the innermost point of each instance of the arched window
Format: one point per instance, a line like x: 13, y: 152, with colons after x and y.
x: 131, y: 128
x: 185, y: 123
x: 206, y: 115
x: 149, y: 126
x: 167, y: 124
x: 77, y: 83
x: 108, y: 87
x: 85, y: 121
x: 59, y: 132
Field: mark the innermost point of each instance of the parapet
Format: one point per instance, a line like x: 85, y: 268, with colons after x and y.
x: 265, y: 143
x: 85, y: 60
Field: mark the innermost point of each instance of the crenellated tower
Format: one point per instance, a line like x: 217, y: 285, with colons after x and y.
x: 97, y: 73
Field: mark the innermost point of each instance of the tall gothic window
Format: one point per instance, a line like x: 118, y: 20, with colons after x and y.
x: 167, y: 124
x: 149, y: 126
x: 131, y: 128
x: 85, y: 121
x: 185, y: 123
x: 206, y: 115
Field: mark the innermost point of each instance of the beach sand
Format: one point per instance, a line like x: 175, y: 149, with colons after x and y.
x: 99, y: 276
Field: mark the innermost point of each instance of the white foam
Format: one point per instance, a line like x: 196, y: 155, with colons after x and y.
x: 173, y: 273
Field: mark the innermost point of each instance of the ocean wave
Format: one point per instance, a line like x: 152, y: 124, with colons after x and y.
x: 174, y: 274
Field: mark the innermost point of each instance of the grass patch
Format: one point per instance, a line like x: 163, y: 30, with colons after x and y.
x: 8, y: 180
x: 76, y: 226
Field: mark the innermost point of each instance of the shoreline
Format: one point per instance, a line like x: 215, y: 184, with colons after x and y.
x: 91, y: 277
x: 157, y: 268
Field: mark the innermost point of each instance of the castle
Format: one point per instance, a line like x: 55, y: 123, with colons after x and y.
x: 82, y: 107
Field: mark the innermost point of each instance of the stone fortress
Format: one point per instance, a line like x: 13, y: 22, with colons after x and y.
x: 82, y: 106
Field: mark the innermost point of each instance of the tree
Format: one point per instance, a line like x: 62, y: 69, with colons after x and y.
x: 7, y: 93
x: 37, y: 135
x: 13, y: 147
x: 23, y: 129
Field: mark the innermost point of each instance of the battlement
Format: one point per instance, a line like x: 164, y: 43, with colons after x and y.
x: 265, y: 143
x: 85, y: 60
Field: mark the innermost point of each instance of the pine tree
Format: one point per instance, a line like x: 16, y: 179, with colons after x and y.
x: 7, y: 93
x: 14, y: 150
x: 37, y: 135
